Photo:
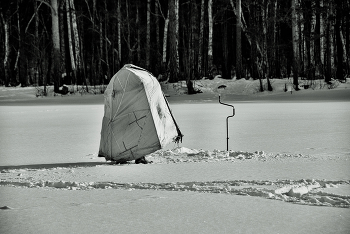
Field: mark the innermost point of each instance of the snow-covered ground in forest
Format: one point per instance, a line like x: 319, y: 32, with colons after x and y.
x: 287, y: 170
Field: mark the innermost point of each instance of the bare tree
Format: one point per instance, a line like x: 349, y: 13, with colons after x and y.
x: 148, y: 35
x: 295, y: 46
x: 138, y: 33
x: 317, y: 39
x: 201, y: 38
x: 238, y: 41
x: 210, y: 38
x: 307, y: 15
x: 56, y: 73
x: 327, y: 55
x: 62, y: 41
x: 173, y: 43
x: 165, y: 39
x: 119, y: 34
x: 339, y: 44
x: 5, y: 22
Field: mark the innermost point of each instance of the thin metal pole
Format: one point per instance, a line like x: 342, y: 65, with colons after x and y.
x: 233, y: 114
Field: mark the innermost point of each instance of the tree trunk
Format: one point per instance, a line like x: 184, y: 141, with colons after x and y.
x: 201, y: 38
x: 148, y: 35
x: 17, y: 66
x: 307, y: 10
x: 62, y: 44
x: 266, y: 62
x: 322, y: 34
x: 246, y: 31
x: 128, y: 38
x: 138, y: 34
x: 76, y: 39
x: 226, y: 43
x: 107, y: 44
x: 165, y: 38
x: 317, y: 40
x: 210, y: 39
x: 77, y: 51
x: 347, y: 39
x: 56, y: 73
x: 295, y: 47
x: 252, y: 61
x: 328, y: 60
x: 6, y: 62
x: 100, y: 54
x: 238, y: 41
x: 177, y: 35
x: 173, y: 42
x: 193, y: 41
x: 276, y: 59
x: 339, y: 44
x: 70, y: 43
x: 36, y: 45
x: 157, y: 61
x: 119, y: 34
x: 93, y: 76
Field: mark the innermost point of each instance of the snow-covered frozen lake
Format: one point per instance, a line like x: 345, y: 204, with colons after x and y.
x: 53, y: 181
x: 311, y: 128
x: 71, y: 133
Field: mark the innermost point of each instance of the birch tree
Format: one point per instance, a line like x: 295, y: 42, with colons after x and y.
x: 177, y: 34
x: 6, y: 60
x: 317, y: 39
x: 165, y: 39
x: 18, y: 54
x: 119, y: 38
x: 327, y: 55
x: 238, y: 41
x: 201, y: 38
x: 62, y: 40
x: 128, y: 38
x: 210, y: 37
x: 76, y: 39
x: 148, y: 35
x: 307, y: 15
x: 70, y: 42
x: 36, y: 44
x: 173, y: 66
x: 107, y: 42
x: 138, y: 33
x: 295, y: 46
x: 339, y: 44
x: 157, y: 36
x: 266, y: 62
x: 56, y: 45
x: 248, y: 35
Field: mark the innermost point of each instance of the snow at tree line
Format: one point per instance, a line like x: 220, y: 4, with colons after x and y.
x: 319, y: 180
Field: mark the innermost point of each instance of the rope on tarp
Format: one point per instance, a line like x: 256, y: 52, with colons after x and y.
x: 178, y: 138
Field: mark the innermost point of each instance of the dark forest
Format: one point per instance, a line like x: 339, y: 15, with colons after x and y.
x: 85, y: 42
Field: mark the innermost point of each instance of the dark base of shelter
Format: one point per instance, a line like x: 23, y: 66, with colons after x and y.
x: 141, y: 160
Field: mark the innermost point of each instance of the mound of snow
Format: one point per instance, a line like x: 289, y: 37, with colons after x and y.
x: 186, y: 155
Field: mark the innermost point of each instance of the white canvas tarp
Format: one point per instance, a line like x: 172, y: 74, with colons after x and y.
x: 137, y: 120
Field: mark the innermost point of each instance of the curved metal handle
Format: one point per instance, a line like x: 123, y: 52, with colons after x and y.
x: 233, y: 111
x: 233, y: 114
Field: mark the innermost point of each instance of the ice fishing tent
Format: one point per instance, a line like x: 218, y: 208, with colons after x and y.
x: 137, y: 119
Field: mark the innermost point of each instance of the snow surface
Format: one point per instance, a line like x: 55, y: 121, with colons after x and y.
x: 287, y: 170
